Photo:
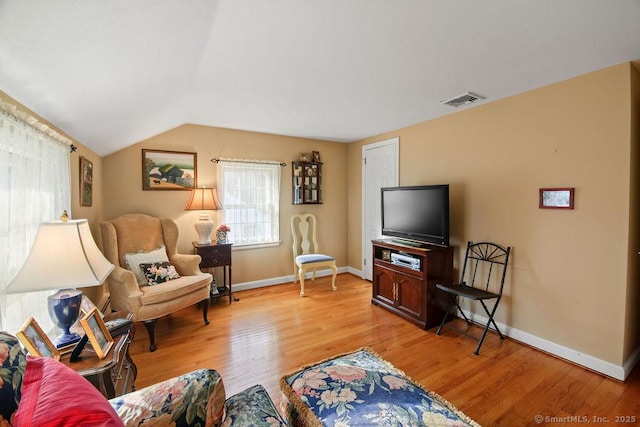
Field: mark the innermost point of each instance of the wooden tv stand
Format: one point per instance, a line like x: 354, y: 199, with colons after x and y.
x: 410, y: 292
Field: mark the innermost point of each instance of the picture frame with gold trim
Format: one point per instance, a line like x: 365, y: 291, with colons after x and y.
x: 97, y: 333
x: 36, y: 341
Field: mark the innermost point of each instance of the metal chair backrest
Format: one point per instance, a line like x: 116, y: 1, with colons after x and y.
x: 485, y: 266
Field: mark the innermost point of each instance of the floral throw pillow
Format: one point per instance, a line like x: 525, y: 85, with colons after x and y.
x: 158, y: 272
x: 135, y: 259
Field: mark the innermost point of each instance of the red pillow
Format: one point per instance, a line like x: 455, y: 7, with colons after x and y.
x: 55, y: 395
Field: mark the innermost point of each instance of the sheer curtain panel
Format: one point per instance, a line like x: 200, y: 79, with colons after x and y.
x: 35, y: 187
x: 250, y: 196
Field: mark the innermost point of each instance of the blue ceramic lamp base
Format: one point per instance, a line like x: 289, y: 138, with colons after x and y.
x: 64, y: 309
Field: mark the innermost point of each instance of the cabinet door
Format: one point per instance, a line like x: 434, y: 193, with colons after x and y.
x: 411, y: 294
x: 383, y: 285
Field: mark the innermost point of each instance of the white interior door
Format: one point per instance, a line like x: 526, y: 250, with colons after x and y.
x: 379, y: 169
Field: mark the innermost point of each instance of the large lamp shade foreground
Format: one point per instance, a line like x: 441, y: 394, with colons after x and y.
x: 204, y: 199
x: 64, y: 256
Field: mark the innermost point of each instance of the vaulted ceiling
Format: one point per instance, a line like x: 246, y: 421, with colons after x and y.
x: 112, y: 73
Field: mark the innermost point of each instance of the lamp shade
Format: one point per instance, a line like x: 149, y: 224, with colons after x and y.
x: 203, y: 199
x: 64, y: 255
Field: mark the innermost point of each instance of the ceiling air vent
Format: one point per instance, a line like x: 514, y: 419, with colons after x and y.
x: 464, y: 99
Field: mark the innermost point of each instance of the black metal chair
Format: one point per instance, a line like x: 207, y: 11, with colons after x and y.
x: 482, y: 279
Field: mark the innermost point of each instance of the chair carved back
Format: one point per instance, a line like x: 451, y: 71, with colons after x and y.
x: 303, y: 229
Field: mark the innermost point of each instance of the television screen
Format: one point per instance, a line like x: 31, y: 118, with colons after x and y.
x: 419, y: 213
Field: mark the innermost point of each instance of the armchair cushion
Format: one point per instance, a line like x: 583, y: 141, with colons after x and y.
x: 159, y: 272
x: 173, y: 289
x: 134, y: 260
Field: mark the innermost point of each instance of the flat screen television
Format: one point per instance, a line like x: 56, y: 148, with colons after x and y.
x: 418, y: 214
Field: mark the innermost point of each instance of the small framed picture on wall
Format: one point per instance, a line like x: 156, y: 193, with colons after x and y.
x: 86, y: 182
x: 556, y: 198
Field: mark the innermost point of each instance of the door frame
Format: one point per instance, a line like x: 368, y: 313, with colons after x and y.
x: 395, y: 142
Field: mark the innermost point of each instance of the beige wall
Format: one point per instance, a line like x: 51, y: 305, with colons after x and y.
x: 568, y: 278
x: 123, y: 190
x: 632, y: 326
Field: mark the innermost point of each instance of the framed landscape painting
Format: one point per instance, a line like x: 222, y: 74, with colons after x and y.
x: 168, y: 170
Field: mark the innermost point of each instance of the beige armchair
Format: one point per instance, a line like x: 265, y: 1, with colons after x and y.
x: 138, y: 234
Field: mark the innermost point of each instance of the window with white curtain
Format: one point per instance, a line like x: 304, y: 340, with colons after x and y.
x: 35, y: 186
x: 250, y: 194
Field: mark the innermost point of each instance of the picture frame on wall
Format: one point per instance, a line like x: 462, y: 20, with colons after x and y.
x: 169, y: 170
x: 97, y: 332
x: 86, y: 182
x: 556, y: 198
x: 36, y: 340
x: 315, y: 155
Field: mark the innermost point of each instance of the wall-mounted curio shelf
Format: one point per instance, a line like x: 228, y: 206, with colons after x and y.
x: 306, y: 183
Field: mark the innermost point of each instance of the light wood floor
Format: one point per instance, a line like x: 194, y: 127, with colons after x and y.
x: 272, y: 331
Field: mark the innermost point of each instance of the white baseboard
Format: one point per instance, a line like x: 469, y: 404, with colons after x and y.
x: 355, y: 272
x: 280, y: 280
x: 590, y: 362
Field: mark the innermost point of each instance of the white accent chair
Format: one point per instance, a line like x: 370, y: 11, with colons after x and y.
x: 306, y: 254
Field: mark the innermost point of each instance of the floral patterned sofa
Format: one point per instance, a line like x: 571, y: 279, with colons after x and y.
x: 38, y: 391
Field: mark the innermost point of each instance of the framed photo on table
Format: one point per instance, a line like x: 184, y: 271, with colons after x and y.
x: 36, y: 341
x: 97, y: 333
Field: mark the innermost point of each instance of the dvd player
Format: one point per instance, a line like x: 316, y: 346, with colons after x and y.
x: 405, y: 260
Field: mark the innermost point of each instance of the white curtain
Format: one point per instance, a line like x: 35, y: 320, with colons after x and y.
x: 250, y: 194
x: 35, y: 187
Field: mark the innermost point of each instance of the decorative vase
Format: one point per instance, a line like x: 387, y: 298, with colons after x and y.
x: 221, y: 236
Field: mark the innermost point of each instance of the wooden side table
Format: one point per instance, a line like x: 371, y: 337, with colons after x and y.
x: 217, y: 255
x: 114, y: 375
